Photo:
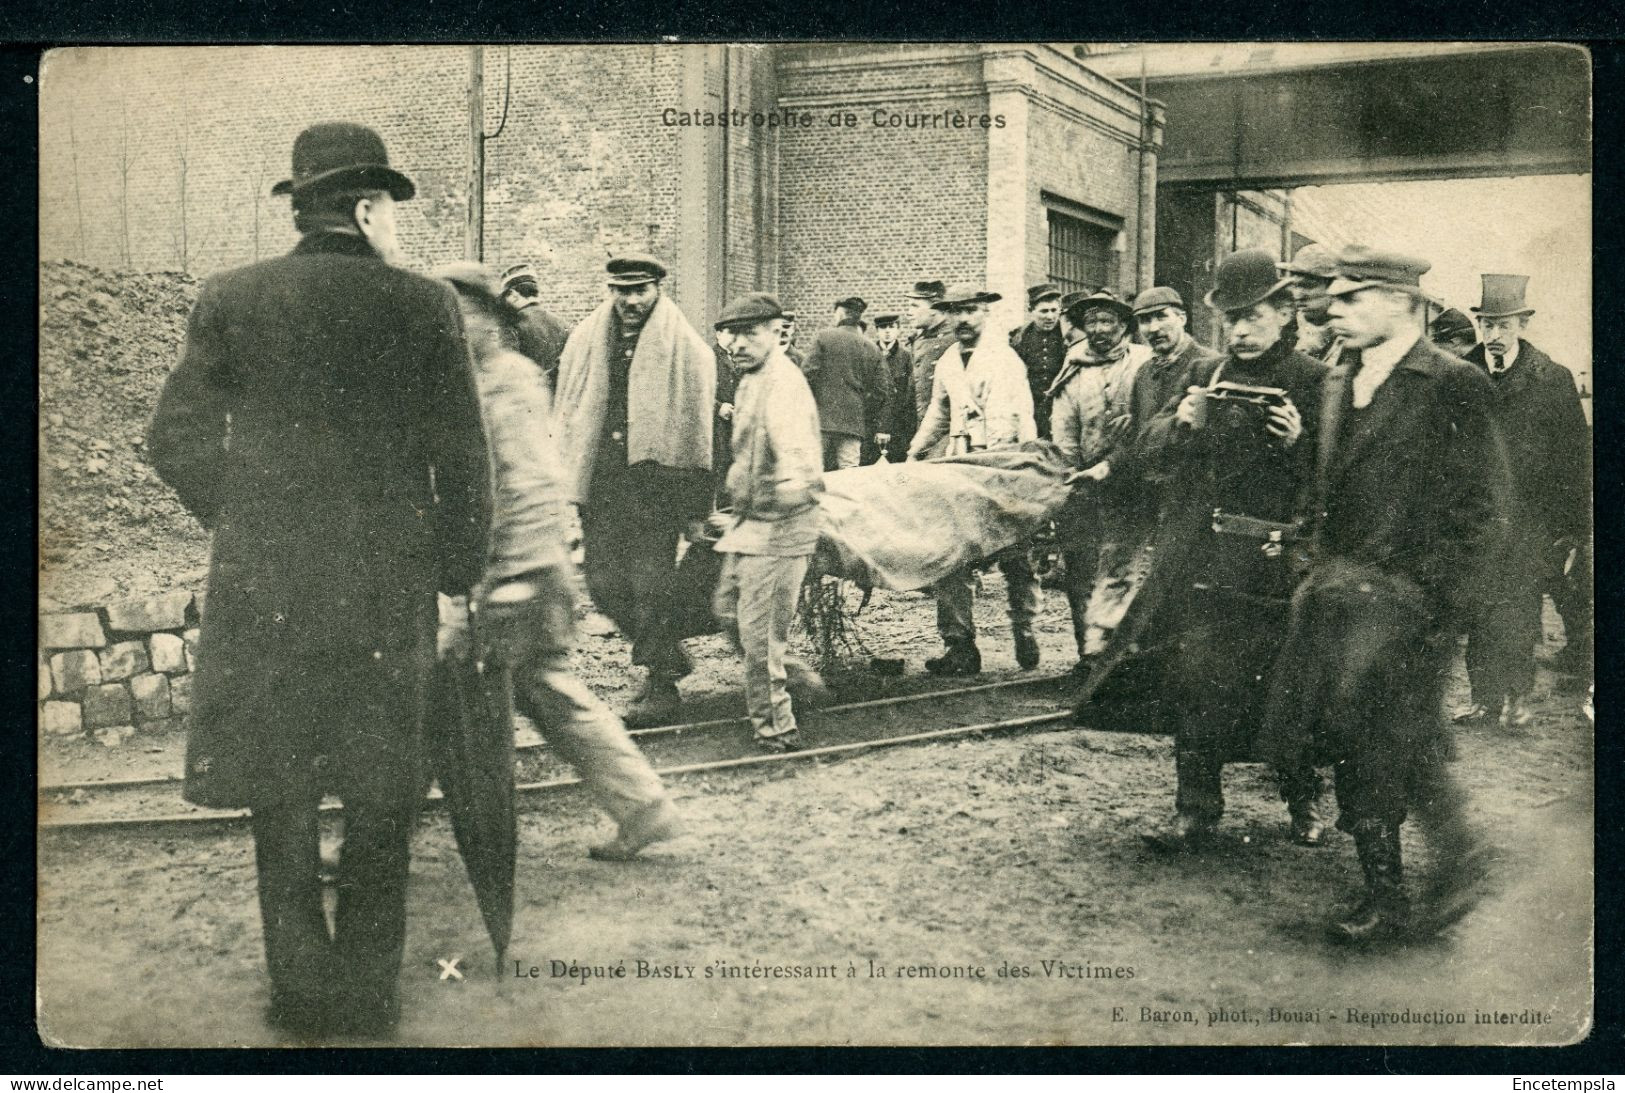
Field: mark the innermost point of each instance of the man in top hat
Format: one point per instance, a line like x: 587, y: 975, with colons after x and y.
x: 1404, y: 500
x: 1453, y: 332
x: 1312, y: 270
x: 635, y: 414
x: 850, y: 385
x: 772, y: 487
x: 979, y: 400
x: 1235, y: 476
x: 1042, y: 347
x: 538, y: 335
x: 898, y: 362
x: 1548, y: 446
x: 334, y: 444
x: 929, y: 339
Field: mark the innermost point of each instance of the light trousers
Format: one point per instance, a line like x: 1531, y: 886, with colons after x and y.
x: 756, y: 601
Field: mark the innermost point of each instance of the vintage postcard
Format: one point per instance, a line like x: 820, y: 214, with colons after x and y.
x: 815, y: 544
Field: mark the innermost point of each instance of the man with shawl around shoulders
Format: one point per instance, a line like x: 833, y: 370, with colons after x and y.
x: 979, y: 400
x: 634, y: 414
x: 770, y: 529
x: 323, y: 423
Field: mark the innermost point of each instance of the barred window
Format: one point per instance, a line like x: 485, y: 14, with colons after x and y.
x: 1082, y: 257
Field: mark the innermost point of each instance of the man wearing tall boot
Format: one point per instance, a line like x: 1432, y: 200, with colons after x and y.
x: 333, y: 444
x: 1406, y: 484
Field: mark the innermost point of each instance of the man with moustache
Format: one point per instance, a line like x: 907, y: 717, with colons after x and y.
x: 1237, y: 475
x: 634, y: 413
x: 979, y: 400
x: 1406, y: 484
x: 1537, y: 408
x: 898, y: 362
x: 1042, y: 347
x: 930, y: 338
x: 1311, y: 271
x: 772, y: 529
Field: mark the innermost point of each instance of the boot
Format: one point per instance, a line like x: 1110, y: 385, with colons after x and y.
x: 1384, y: 913
x: 1516, y: 716
x: 653, y: 823
x: 956, y: 660
x: 1026, y: 650
x: 1186, y: 833
x: 657, y: 705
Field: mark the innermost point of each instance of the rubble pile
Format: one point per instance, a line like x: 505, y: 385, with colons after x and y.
x: 108, y: 527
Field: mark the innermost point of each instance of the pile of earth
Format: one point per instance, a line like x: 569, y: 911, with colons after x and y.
x: 109, y: 528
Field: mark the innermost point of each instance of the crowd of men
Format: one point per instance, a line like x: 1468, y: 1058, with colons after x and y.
x: 1303, y: 525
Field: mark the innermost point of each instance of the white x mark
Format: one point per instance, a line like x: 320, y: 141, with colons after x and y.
x: 448, y: 968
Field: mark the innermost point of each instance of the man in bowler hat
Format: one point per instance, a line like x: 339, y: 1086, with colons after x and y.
x: 333, y: 444
x: 1548, y: 448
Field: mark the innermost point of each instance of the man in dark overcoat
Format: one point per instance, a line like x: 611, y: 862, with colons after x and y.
x: 850, y: 385
x: 1042, y: 348
x: 1235, y: 483
x: 324, y: 423
x: 538, y: 335
x: 1548, y: 447
x: 899, y: 364
x: 931, y: 337
x: 1407, y: 483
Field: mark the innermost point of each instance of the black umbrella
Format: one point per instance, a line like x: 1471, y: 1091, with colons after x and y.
x: 471, y: 726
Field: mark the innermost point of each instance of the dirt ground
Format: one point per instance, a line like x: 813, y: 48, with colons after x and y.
x: 948, y: 866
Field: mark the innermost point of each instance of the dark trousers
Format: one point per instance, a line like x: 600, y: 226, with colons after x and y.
x: 354, y: 970
x: 1572, y: 596
x: 630, y: 529
x: 1501, y: 638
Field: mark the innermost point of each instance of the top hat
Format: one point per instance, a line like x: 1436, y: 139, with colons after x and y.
x: 1245, y: 278
x: 520, y: 273
x: 855, y: 304
x: 1503, y: 296
x: 1312, y: 260
x: 965, y: 293
x: 1360, y: 267
x: 627, y: 270
x: 926, y: 290
x: 748, y: 310
x: 1154, y: 299
x: 336, y: 154
x: 1101, y: 299
x: 1039, y: 293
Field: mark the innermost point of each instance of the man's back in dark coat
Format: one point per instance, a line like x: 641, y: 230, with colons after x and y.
x: 848, y: 382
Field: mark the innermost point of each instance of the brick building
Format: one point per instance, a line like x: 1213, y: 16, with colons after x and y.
x: 849, y: 168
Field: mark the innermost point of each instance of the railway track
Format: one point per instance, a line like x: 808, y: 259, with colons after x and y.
x: 677, y: 751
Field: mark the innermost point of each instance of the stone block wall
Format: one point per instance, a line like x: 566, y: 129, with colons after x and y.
x: 108, y: 671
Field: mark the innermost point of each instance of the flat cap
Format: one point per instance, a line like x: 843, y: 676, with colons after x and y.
x: 748, y: 310
x: 965, y: 293
x: 634, y: 269
x: 1361, y: 267
x: 1159, y: 296
x: 888, y: 319
x: 1312, y: 260
x: 788, y: 316
x: 853, y: 303
x: 1038, y: 293
x: 520, y: 273
x: 926, y: 290
x: 1452, y: 323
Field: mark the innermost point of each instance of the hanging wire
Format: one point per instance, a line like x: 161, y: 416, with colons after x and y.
x: 507, y: 86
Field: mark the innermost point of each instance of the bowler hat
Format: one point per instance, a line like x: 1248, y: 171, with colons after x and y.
x: 1101, y: 299
x: 965, y: 293
x: 1161, y: 296
x: 1245, y: 278
x: 627, y: 270
x: 336, y: 154
x: 748, y: 310
x: 855, y: 304
x: 1360, y: 267
x: 1312, y: 260
x: 926, y: 290
x: 1503, y: 296
x: 1452, y: 323
x: 1042, y: 292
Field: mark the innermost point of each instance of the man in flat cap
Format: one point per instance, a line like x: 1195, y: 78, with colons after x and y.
x: 333, y: 442
x: 1041, y: 347
x: 1548, y: 448
x: 928, y: 340
x: 538, y: 335
x: 772, y: 488
x: 898, y: 429
x: 979, y: 400
x: 635, y: 415
x: 1311, y: 271
x: 1404, y: 500
x: 850, y: 385
x: 1235, y: 462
